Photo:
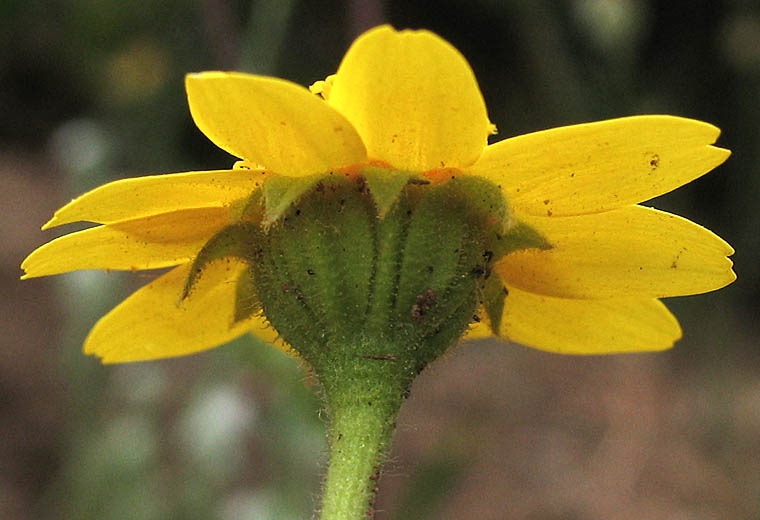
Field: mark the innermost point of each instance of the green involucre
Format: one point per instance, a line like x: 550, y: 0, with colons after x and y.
x: 349, y: 260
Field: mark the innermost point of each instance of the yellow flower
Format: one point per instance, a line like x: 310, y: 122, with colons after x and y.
x: 409, y: 101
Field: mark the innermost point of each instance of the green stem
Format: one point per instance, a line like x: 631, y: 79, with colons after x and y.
x: 362, y: 411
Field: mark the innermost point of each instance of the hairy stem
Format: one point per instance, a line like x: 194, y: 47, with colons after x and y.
x: 363, y: 412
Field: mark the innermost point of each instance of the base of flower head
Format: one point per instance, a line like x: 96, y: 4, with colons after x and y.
x: 385, y: 259
x: 331, y: 272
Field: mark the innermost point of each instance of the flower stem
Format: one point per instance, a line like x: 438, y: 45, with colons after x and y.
x: 362, y: 411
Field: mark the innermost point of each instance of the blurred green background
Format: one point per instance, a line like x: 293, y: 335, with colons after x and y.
x: 92, y: 90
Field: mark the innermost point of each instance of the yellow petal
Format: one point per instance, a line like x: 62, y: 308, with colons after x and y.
x: 588, y: 326
x: 150, y: 195
x: 146, y: 243
x: 272, y: 122
x: 413, y: 98
x: 595, y: 167
x: 478, y: 330
x: 631, y: 252
x: 153, y: 324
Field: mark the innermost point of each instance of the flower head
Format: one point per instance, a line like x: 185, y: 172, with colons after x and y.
x: 586, y: 267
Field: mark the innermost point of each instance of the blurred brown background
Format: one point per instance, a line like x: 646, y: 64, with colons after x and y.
x: 91, y: 90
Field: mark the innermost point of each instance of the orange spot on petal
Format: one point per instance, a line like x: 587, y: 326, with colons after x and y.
x: 439, y: 175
